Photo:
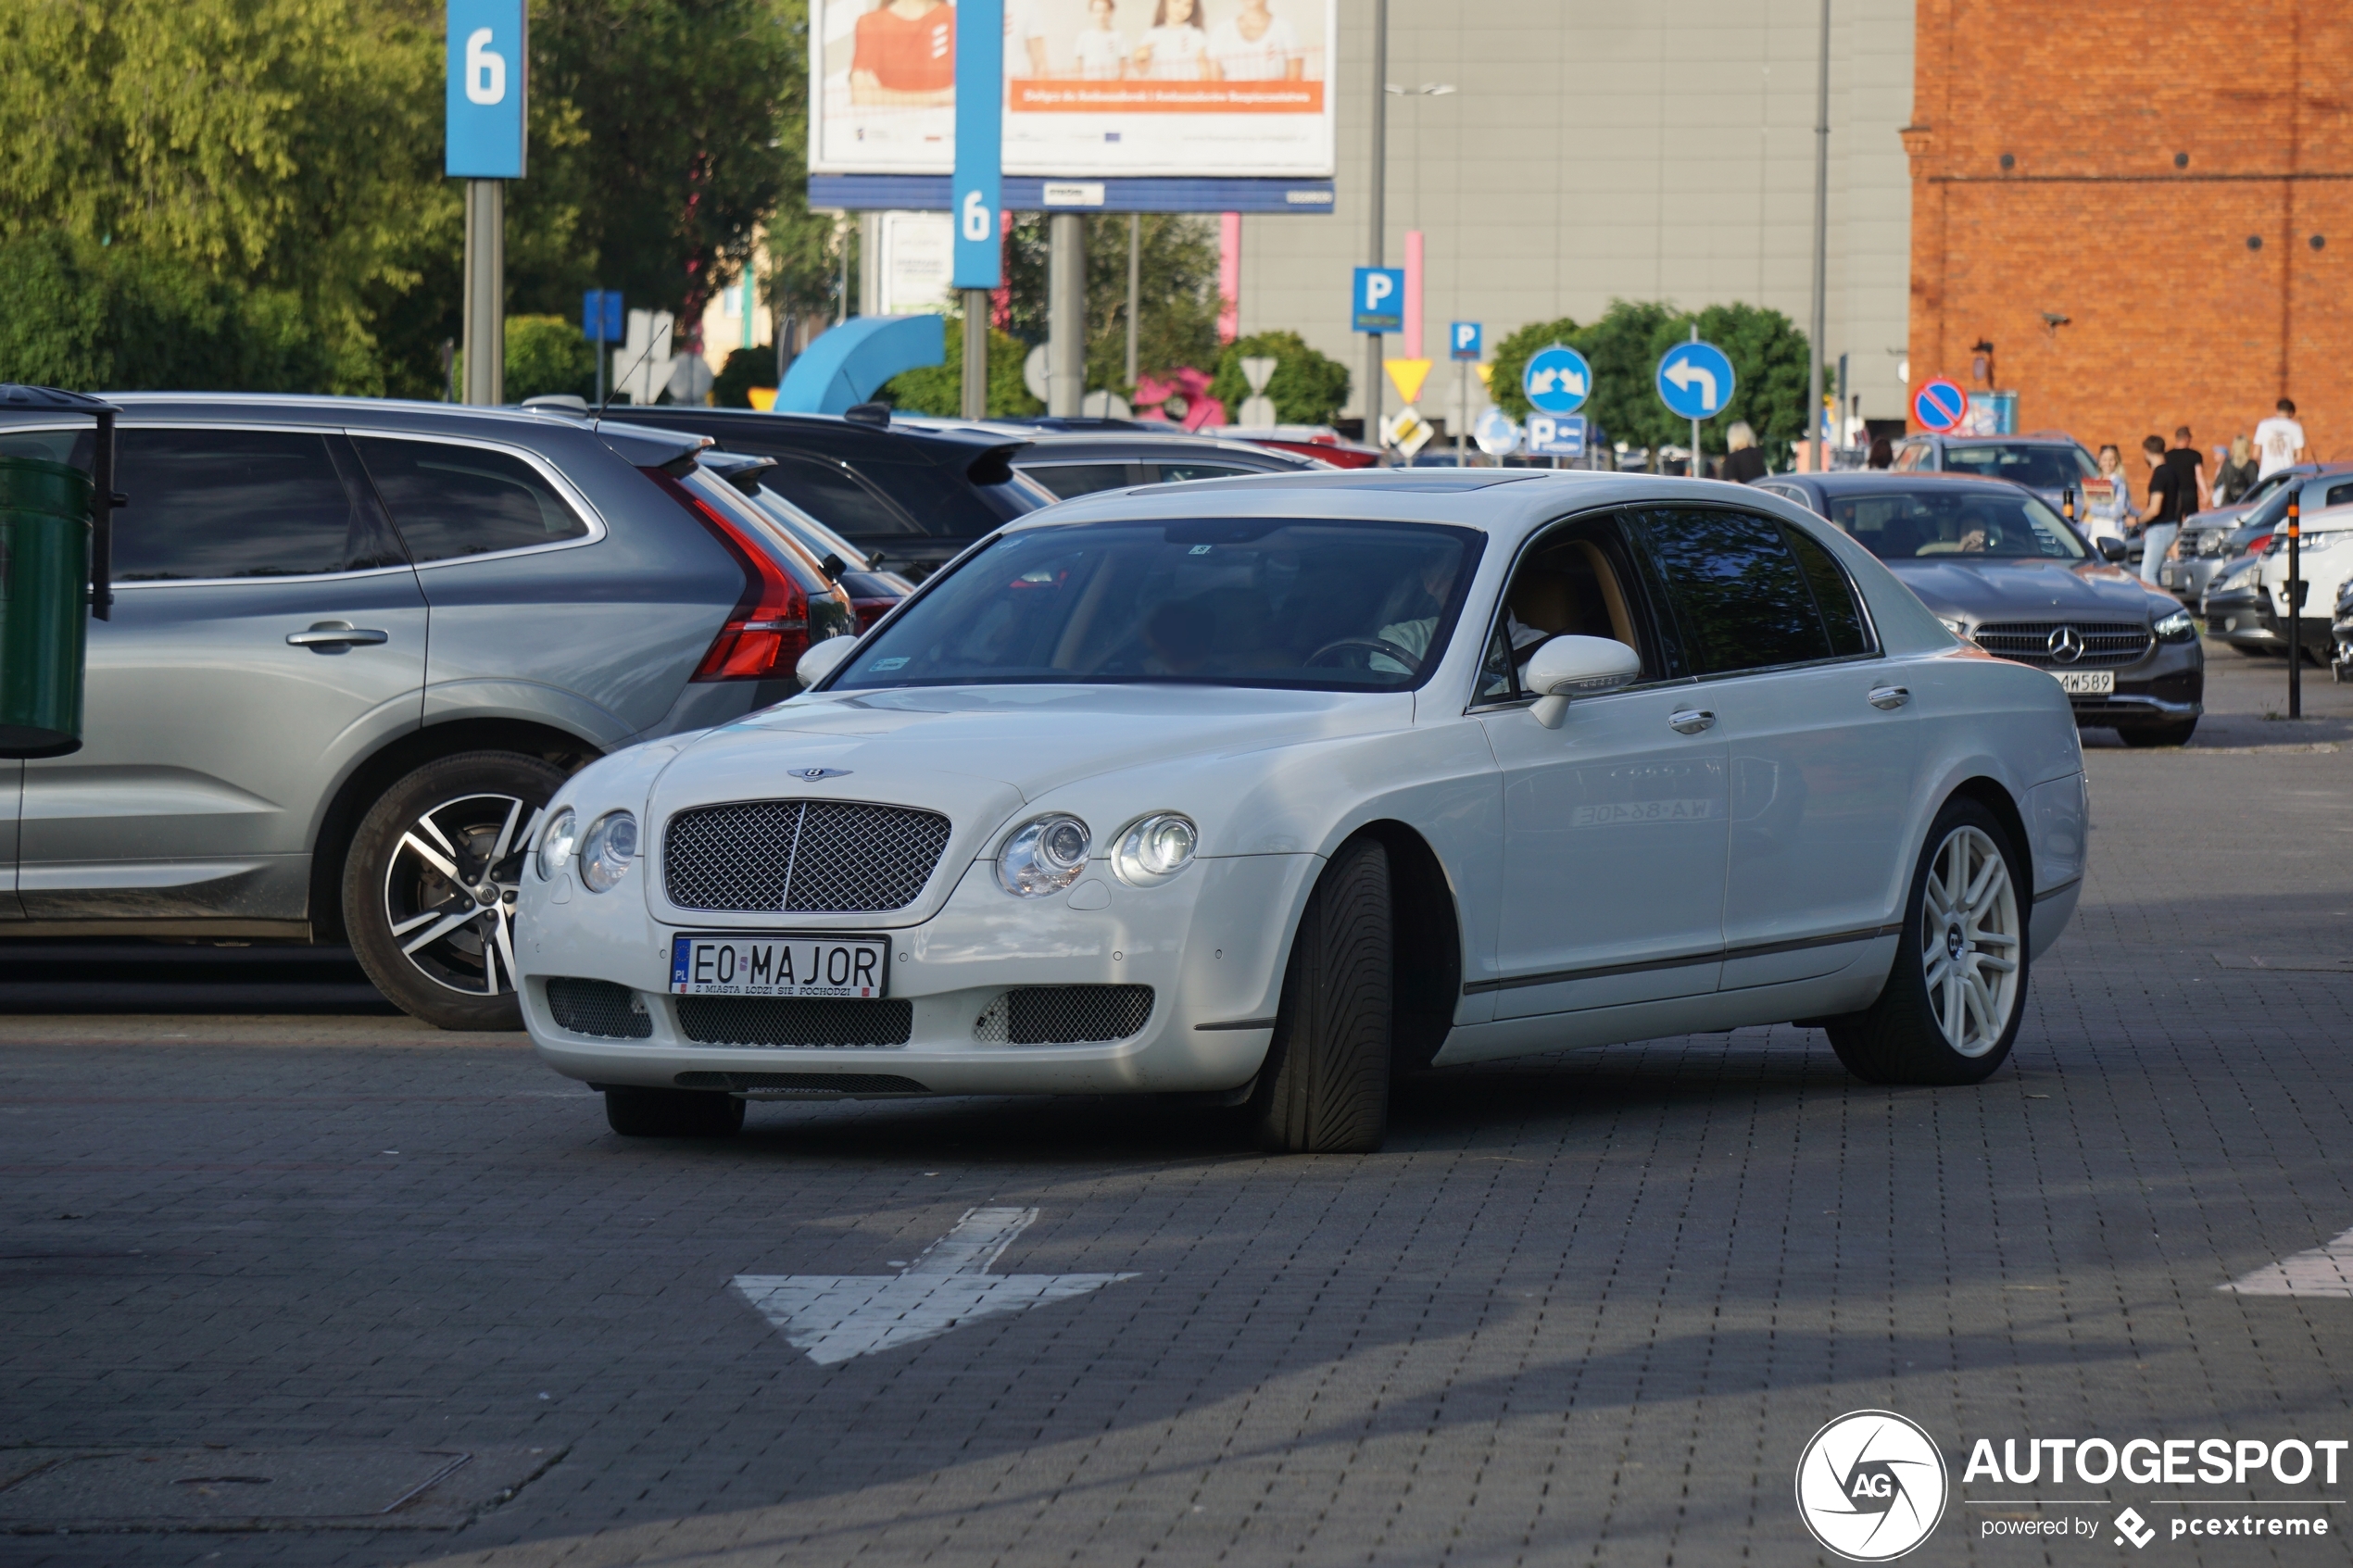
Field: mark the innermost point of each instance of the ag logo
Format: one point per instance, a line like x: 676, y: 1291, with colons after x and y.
x: 1871, y: 1486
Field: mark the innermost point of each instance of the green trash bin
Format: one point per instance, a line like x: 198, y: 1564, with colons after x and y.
x: 44, y: 605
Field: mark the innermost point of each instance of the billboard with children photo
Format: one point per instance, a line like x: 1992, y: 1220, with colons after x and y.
x: 1226, y: 89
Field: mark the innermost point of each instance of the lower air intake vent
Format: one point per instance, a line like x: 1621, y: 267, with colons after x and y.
x: 794, y: 1020
x: 1064, y: 1015
x: 804, y: 1082
x: 599, y: 1007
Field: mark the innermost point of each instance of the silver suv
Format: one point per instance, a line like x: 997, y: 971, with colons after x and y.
x: 356, y: 647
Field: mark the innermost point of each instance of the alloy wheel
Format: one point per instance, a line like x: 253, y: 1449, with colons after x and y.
x: 450, y: 889
x: 1969, y: 932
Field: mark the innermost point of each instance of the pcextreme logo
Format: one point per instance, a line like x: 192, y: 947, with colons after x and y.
x: 1871, y: 1486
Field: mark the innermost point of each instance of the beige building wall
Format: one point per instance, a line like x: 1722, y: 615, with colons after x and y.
x: 1653, y: 151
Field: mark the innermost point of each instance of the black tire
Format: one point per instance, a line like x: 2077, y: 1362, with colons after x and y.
x: 464, y: 978
x: 1324, y: 1089
x: 671, y: 1113
x: 2159, y: 735
x: 1899, y: 1039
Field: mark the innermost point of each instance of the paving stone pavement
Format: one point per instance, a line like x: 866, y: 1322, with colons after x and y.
x: 1582, y: 1310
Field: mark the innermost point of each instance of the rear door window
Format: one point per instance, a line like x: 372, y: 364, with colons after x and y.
x: 1066, y: 480
x: 1834, y: 596
x: 833, y: 496
x: 243, y: 503
x: 1741, y: 598
x: 451, y: 501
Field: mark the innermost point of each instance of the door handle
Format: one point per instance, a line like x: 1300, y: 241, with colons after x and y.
x: 1691, y: 721
x: 335, y: 633
x: 1890, y: 697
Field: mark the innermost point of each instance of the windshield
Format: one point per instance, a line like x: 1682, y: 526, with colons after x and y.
x: 1318, y: 605
x: 1957, y: 521
x: 2037, y: 467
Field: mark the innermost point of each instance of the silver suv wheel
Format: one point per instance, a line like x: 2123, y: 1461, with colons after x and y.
x: 449, y: 891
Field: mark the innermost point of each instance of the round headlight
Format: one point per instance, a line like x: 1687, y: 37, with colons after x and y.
x: 606, y: 852
x: 557, y: 841
x: 1044, y: 855
x: 1154, y: 849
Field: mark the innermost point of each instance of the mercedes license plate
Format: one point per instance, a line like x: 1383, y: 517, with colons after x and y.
x: 2086, y: 683
x: 751, y: 964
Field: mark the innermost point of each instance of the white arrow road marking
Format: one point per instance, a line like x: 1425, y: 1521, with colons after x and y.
x: 834, y: 1317
x: 2324, y: 1270
x: 1565, y: 379
x: 1684, y: 372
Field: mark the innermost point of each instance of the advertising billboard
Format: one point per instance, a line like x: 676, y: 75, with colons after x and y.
x: 1225, y: 89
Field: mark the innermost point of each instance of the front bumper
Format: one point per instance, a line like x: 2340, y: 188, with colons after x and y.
x: 1211, y: 944
x: 2188, y: 580
x: 2250, y: 621
x: 2166, y: 687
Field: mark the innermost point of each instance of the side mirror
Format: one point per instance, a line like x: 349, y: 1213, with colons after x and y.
x: 823, y: 659
x: 1570, y: 666
x: 2111, y: 548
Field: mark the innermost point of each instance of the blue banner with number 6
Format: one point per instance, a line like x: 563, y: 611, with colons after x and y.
x: 489, y: 72
x: 977, y: 188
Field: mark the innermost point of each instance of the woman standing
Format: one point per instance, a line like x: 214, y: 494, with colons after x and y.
x: 2109, y: 514
x: 2238, y: 473
x: 1174, y: 47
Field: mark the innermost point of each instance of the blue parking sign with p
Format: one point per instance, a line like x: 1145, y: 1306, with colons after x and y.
x: 1377, y: 300
x: 1462, y: 340
x: 489, y: 72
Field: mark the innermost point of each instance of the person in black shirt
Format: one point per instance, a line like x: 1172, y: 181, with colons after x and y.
x: 2192, y: 462
x: 2171, y: 486
x: 1744, y: 464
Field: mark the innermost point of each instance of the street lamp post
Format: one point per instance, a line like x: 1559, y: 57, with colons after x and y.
x: 1376, y: 219
x: 1821, y: 247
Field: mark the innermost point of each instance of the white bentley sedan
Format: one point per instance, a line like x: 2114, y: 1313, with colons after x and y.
x: 1272, y: 791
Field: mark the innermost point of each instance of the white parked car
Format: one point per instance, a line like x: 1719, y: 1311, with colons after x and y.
x: 1271, y: 790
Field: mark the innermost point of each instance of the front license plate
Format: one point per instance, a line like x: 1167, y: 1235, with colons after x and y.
x: 2086, y: 683
x: 753, y: 965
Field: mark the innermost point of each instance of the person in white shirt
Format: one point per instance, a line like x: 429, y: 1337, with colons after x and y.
x: 1102, y: 53
x: 1256, y: 46
x: 1025, y: 41
x: 1175, y: 49
x: 2280, y: 440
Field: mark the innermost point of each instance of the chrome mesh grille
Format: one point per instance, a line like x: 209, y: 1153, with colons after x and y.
x: 1064, y: 1015
x: 804, y: 1082
x: 2105, y: 644
x: 800, y: 856
x: 599, y: 1007
x: 795, y: 1021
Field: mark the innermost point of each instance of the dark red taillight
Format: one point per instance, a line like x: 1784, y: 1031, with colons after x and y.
x: 768, y: 631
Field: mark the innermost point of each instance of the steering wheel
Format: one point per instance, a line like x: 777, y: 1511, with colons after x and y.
x: 1377, y: 645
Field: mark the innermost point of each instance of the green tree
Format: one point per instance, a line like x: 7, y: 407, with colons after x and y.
x: 546, y: 355
x: 1307, y: 387
x: 1177, y: 322
x: 92, y: 318
x: 745, y: 369
x: 1625, y: 346
x: 687, y: 105
x: 939, y: 389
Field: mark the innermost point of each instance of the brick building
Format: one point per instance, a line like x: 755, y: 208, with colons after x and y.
x: 2146, y: 208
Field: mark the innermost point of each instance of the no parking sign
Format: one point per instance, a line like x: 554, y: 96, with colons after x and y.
x: 1939, y: 405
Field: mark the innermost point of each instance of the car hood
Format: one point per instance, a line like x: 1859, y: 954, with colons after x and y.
x: 2025, y: 590
x: 981, y: 755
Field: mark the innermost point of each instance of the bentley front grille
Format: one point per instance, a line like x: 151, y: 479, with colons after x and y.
x: 795, y: 1021
x: 802, y: 856
x: 1064, y: 1015
x: 599, y: 1007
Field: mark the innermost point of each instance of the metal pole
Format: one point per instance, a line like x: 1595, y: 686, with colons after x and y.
x: 1461, y: 406
x: 1691, y: 466
x: 841, y: 234
x: 975, y: 402
x: 604, y: 352
x: 1135, y: 287
x: 485, y: 329
x: 2294, y: 607
x: 1821, y: 244
x: 1066, y: 314
x: 1376, y: 219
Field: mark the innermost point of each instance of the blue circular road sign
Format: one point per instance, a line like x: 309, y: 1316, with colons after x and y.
x: 1696, y: 381
x: 1939, y: 405
x: 1557, y: 380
